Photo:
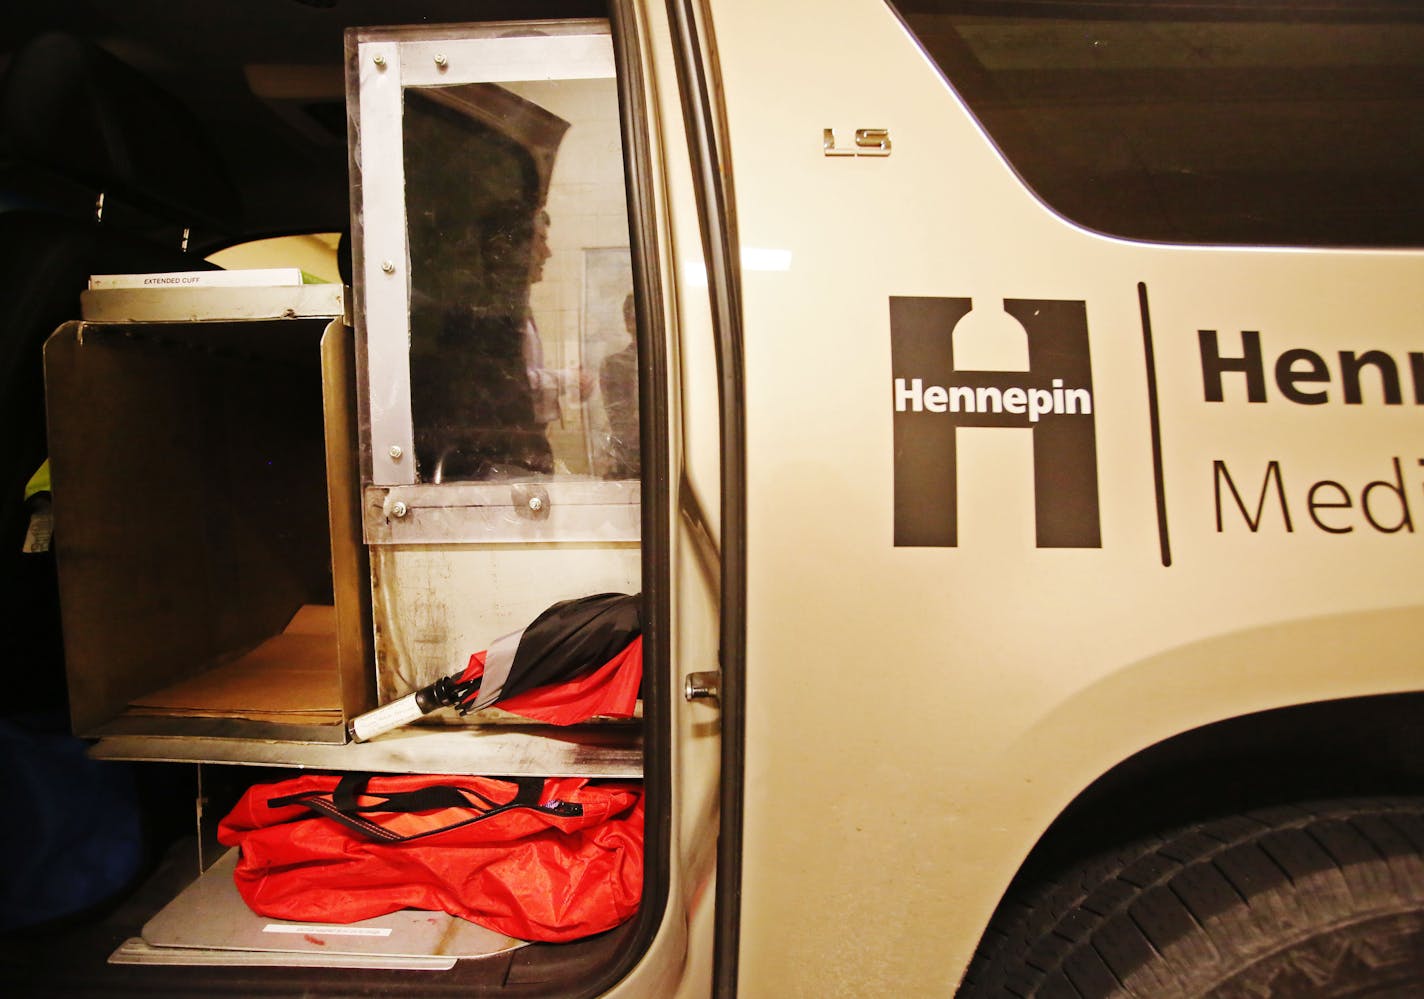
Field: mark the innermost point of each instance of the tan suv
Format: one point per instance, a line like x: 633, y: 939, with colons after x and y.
x: 1009, y: 412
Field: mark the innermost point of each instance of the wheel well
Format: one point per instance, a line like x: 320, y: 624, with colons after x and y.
x: 1333, y: 749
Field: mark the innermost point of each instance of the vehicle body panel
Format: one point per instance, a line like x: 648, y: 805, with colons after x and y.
x: 918, y: 716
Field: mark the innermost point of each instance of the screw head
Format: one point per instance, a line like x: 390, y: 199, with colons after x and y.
x: 399, y: 509
x: 380, y: 61
x: 536, y: 503
x: 388, y: 266
x: 441, y: 61
x: 395, y: 452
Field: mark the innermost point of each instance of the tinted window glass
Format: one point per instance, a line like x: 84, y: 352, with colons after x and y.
x: 1252, y: 123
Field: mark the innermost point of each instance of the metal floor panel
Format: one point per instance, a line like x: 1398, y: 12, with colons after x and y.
x: 210, y: 916
x: 136, y: 951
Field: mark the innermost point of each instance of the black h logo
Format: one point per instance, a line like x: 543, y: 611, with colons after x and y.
x: 933, y: 399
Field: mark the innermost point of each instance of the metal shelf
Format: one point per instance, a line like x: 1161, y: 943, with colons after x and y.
x: 614, y: 751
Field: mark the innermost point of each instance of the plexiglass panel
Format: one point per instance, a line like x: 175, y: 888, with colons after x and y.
x: 516, y: 315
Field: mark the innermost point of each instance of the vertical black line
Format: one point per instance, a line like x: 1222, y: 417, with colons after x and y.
x: 1156, y: 424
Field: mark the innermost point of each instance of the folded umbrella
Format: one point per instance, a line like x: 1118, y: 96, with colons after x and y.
x: 578, y: 659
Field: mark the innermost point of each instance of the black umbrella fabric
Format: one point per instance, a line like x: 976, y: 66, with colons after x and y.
x: 596, y: 638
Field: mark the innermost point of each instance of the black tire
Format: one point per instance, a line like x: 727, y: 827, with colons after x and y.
x: 1317, y: 901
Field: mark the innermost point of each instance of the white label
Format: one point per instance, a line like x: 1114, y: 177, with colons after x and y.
x: 264, y: 277
x: 327, y: 930
x: 385, y: 718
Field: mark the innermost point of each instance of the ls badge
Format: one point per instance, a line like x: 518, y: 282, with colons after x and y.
x: 868, y: 142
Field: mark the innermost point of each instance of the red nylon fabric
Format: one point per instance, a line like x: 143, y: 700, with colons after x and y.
x: 524, y: 873
x: 611, y: 691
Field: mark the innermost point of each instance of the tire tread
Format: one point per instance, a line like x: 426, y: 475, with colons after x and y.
x: 1155, y: 917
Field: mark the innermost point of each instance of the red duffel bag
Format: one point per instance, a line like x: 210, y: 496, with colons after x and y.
x: 538, y: 859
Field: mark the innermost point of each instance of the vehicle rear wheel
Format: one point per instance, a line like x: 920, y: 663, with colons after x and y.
x: 1321, y: 900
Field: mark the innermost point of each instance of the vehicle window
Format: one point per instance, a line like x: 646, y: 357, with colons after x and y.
x: 1283, y: 123
x: 505, y: 272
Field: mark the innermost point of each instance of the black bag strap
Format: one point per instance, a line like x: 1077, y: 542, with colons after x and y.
x: 342, y: 805
x: 425, y: 799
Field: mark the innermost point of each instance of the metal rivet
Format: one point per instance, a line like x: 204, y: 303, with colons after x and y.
x: 388, y: 267
x: 399, y: 509
x: 380, y: 61
x: 395, y: 452
x: 536, y: 503
x: 441, y: 61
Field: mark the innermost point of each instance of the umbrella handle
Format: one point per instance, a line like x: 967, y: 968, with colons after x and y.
x: 402, y: 711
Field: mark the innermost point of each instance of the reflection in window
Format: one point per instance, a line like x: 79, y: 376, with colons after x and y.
x: 503, y: 216
x: 618, y: 378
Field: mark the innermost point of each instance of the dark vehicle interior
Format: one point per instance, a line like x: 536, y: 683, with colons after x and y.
x: 134, y: 137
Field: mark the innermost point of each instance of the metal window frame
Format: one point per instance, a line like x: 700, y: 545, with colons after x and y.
x: 383, y: 63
